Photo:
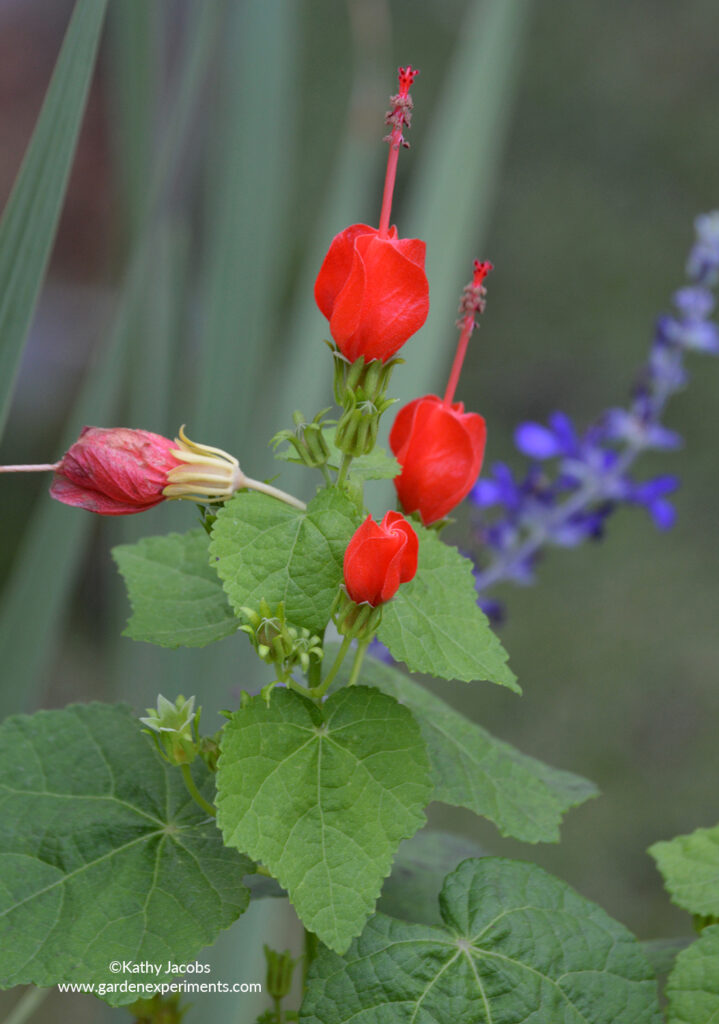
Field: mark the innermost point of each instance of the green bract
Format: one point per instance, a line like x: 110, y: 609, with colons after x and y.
x: 322, y: 796
x: 377, y: 465
x: 517, y: 946
x: 103, y: 855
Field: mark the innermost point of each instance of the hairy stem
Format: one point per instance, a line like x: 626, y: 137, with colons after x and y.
x: 274, y: 492
x: 321, y: 690
x: 194, y: 791
x: 357, y: 663
x: 342, y: 475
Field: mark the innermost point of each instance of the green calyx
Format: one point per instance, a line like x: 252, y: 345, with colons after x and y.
x: 357, y: 621
x: 360, y: 389
x: 174, y: 728
x: 278, y: 643
x: 307, y: 439
x: 280, y: 968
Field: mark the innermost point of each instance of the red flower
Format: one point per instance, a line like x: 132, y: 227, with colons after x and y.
x: 440, y: 448
x: 379, y: 557
x: 373, y: 290
x: 114, y: 471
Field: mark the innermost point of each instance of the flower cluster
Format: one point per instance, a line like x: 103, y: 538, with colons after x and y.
x: 575, y: 480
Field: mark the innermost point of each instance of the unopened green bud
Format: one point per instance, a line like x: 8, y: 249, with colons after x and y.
x: 173, y: 727
x: 360, y: 388
x: 280, y: 968
x: 278, y: 643
x: 307, y: 439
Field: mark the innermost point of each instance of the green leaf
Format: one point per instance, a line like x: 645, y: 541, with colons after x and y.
x: 517, y: 946
x: 410, y: 892
x: 435, y: 625
x: 263, y: 548
x: 103, y: 854
x: 322, y: 796
x: 177, y: 599
x: 690, y: 866
x: 30, y: 219
x: 693, y: 985
x: 470, y: 768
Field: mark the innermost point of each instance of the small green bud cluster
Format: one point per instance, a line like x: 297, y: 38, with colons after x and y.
x: 278, y: 643
x: 361, y: 390
x: 174, y: 728
x: 280, y: 968
x: 307, y: 438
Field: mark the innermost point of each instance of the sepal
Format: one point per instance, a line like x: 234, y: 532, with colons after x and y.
x: 174, y: 728
x: 307, y: 439
x: 360, y: 389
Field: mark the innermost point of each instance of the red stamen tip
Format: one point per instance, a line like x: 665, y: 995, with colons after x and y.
x: 406, y: 79
x: 473, y: 297
x: 400, y: 114
x: 481, y: 270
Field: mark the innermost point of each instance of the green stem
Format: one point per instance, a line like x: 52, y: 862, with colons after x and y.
x: 26, y: 1005
x: 278, y: 1008
x: 298, y: 687
x: 326, y: 474
x: 346, y: 462
x: 311, y: 949
x: 359, y: 658
x: 274, y: 492
x: 321, y: 690
x: 194, y: 791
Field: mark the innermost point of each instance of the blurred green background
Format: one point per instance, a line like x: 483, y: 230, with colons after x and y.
x: 223, y: 145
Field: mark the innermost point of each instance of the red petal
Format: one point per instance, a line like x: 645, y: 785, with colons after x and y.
x: 114, y: 471
x: 385, y: 299
x: 83, y: 497
x: 440, y: 450
x: 336, y: 266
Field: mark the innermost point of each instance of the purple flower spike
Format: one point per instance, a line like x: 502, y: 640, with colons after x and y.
x: 592, y: 476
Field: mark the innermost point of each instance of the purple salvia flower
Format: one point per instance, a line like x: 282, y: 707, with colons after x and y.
x: 592, y: 470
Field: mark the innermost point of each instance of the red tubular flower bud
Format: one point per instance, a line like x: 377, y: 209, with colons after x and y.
x: 114, y: 471
x: 440, y: 448
x: 373, y: 291
x: 379, y: 557
x: 372, y: 286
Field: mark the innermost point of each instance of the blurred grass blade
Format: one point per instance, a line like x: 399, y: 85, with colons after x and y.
x: 35, y: 598
x: 247, y: 250
x: 453, y: 186
x: 30, y: 220
x: 54, y: 539
x: 302, y: 377
x: 135, y: 35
